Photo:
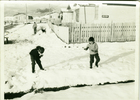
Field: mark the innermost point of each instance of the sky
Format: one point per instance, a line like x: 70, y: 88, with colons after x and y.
x: 32, y: 7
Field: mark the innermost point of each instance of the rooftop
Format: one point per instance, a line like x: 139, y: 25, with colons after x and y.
x: 66, y: 10
x: 19, y: 14
x: 119, y: 4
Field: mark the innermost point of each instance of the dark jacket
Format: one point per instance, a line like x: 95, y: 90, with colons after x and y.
x: 34, y: 53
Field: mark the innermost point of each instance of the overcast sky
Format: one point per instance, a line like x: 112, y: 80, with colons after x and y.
x: 20, y: 7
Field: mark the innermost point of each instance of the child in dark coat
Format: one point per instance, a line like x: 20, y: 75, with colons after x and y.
x: 93, y: 49
x: 35, y: 55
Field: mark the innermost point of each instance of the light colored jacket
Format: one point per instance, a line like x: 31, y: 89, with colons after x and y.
x: 34, y: 25
x: 93, y: 48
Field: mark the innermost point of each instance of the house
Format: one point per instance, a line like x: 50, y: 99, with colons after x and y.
x: 29, y: 19
x: 55, y: 17
x: 103, y: 12
x: 22, y: 18
x: 66, y: 15
x: 106, y: 12
x: 86, y: 13
x: 8, y: 19
x: 43, y: 19
x: 37, y: 19
x: 79, y: 13
x: 114, y: 12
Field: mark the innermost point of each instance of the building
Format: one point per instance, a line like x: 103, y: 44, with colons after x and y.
x: 102, y: 13
x: 54, y: 17
x: 86, y: 13
x: 21, y: 18
x: 37, y: 19
x: 109, y: 12
x: 8, y: 20
x: 106, y: 12
x: 95, y: 13
x: 66, y: 16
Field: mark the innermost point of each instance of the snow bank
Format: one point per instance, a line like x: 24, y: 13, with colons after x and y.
x: 115, y: 92
x: 23, y: 81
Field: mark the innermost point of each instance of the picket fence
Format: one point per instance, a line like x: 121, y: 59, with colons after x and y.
x: 115, y: 32
x: 102, y: 32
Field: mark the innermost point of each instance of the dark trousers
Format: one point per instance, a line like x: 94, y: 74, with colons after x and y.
x: 35, y: 29
x: 33, y: 64
x: 92, y: 59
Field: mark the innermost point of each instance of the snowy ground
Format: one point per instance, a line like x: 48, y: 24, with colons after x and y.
x: 68, y: 65
x: 108, y: 92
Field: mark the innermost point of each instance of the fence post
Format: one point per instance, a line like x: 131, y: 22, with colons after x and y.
x: 113, y: 31
x: 122, y: 34
x: 99, y: 32
x: 134, y: 31
x: 80, y: 34
x: 111, y: 35
x: 72, y: 29
x: 69, y: 34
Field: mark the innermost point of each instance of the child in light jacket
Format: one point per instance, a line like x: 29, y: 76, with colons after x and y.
x: 35, y: 27
x: 93, y: 49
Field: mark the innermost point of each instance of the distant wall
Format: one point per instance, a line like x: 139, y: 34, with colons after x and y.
x: 117, y: 13
x: 106, y: 13
x: 67, y: 17
x: 61, y: 31
x: 20, y: 18
x: 87, y: 14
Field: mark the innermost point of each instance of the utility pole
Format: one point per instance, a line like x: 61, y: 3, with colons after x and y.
x: 85, y: 13
x: 49, y: 14
x: 49, y: 8
x: 26, y: 13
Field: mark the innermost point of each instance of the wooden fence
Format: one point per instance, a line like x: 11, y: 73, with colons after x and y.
x: 107, y: 32
x: 114, y: 32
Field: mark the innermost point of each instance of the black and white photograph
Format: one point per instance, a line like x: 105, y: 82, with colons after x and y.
x: 58, y: 50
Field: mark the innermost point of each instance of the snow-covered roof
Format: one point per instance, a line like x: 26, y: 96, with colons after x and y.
x: 43, y: 17
x: 36, y: 17
x: 86, y: 5
x: 119, y: 4
x: 52, y: 12
x: 8, y: 17
x: 66, y: 10
x: 77, y: 6
x: 74, y: 6
x: 19, y: 14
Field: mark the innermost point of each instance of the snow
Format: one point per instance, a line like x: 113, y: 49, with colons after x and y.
x: 67, y: 65
x: 107, y: 92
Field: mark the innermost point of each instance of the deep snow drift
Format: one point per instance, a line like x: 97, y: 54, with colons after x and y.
x: 66, y: 65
